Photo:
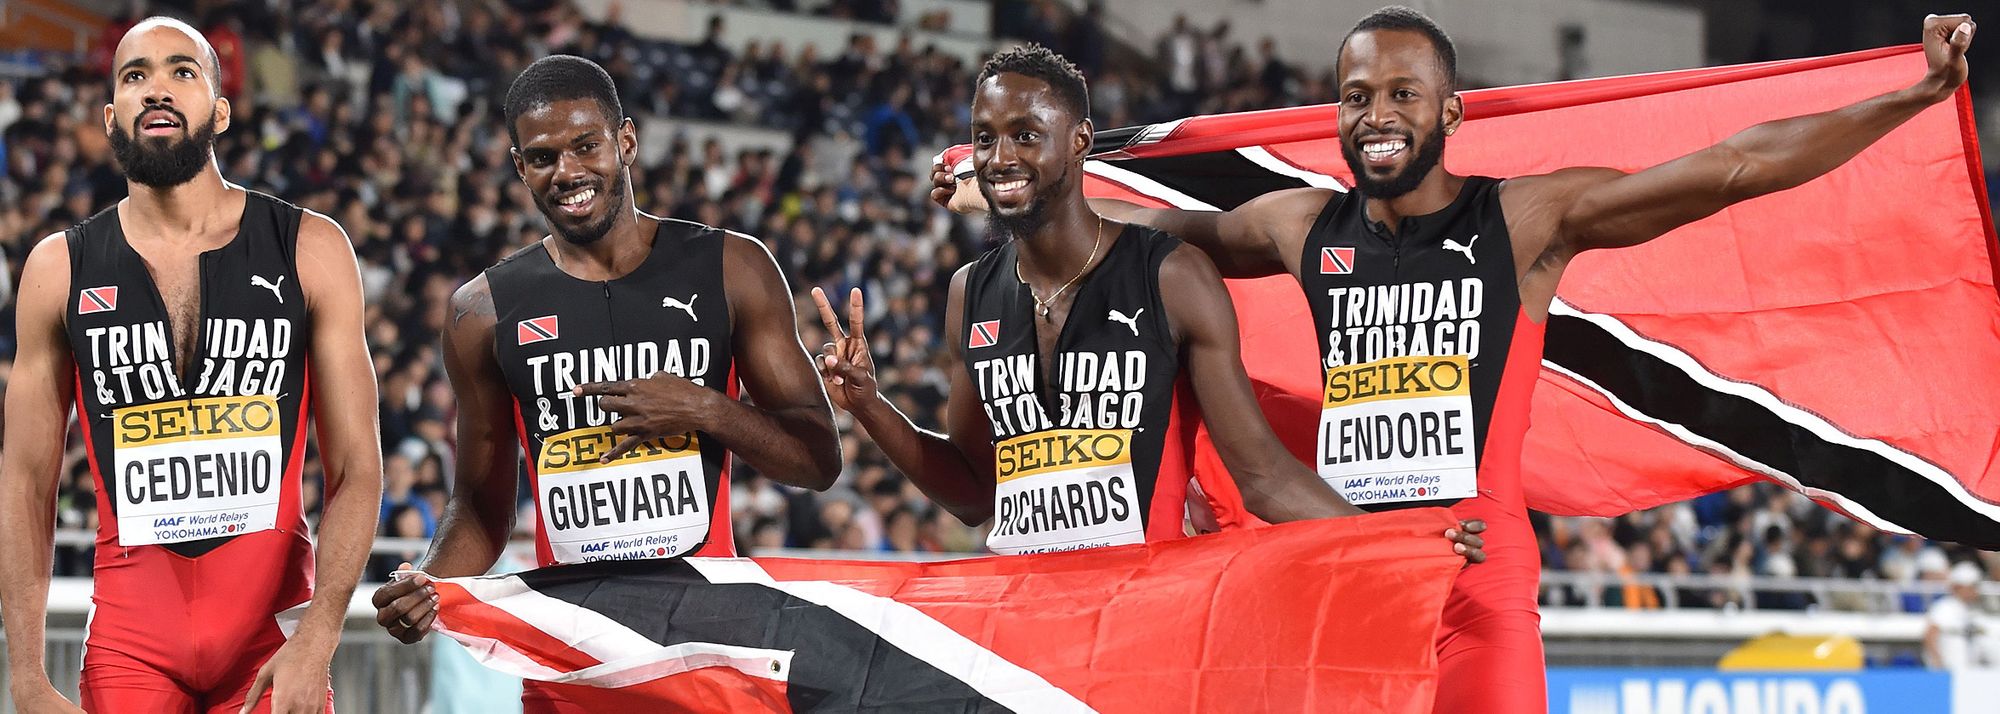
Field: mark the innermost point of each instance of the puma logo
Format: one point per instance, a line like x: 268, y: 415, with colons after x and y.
x: 687, y: 307
x: 258, y: 281
x: 1466, y: 248
x: 1132, y: 322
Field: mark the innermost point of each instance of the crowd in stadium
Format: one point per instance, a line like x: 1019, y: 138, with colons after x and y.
x: 386, y: 117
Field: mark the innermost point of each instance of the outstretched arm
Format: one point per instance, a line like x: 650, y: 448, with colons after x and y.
x: 1611, y: 209
x: 38, y: 399
x: 954, y: 469
x: 786, y: 431
x: 1259, y: 238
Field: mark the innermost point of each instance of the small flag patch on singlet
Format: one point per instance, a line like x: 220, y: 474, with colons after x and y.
x: 1336, y: 261
x: 104, y: 299
x: 984, y: 334
x: 540, y: 329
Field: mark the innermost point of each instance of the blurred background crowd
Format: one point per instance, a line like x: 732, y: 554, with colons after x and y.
x: 386, y: 117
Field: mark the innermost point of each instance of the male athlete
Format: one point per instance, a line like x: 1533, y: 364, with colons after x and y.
x: 1419, y: 275
x: 193, y: 324
x: 610, y: 353
x: 1071, y: 361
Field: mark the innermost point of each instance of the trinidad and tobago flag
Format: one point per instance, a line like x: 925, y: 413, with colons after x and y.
x: 1841, y: 338
x: 1328, y: 615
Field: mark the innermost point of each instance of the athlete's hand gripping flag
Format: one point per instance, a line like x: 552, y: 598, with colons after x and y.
x: 1334, y: 615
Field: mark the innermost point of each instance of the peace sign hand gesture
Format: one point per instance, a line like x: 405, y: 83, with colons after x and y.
x: 846, y: 366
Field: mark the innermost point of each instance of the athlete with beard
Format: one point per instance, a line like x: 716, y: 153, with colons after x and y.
x: 192, y: 324
x: 1072, y: 368
x: 1419, y: 276
x: 610, y: 353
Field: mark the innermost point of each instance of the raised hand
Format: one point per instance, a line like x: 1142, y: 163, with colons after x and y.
x: 953, y: 194
x: 845, y: 365
x: 1946, y: 37
x: 942, y: 184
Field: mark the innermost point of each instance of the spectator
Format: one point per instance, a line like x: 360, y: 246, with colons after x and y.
x: 394, y: 130
x: 1959, y: 631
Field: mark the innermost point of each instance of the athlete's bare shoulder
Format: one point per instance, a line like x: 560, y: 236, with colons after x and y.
x: 744, y: 251
x: 1285, y: 217
x: 1535, y: 205
x: 321, y: 238
x: 472, y: 305
x: 328, y: 274
x: 1198, y: 298
x: 1289, y: 211
x: 51, y: 252
x: 46, y: 271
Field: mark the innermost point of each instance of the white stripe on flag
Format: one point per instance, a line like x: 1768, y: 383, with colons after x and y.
x: 1262, y: 157
x: 1155, y: 133
x: 1814, y: 423
x: 1727, y: 454
x: 1146, y: 186
x: 662, y: 662
x: 499, y: 656
x: 914, y: 632
x: 626, y: 657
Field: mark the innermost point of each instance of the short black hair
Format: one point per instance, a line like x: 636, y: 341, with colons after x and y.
x: 1033, y: 60
x: 559, y: 77
x: 1398, y: 17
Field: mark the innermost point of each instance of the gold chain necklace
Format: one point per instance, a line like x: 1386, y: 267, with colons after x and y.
x: 1042, y: 306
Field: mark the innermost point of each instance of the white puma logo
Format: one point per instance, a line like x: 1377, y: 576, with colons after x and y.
x: 1132, y: 322
x: 258, y: 281
x: 687, y: 307
x: 1450, y: 244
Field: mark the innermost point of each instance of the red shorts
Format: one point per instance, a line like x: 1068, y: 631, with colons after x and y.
x: 1490, y: 641
x: 169, y: 633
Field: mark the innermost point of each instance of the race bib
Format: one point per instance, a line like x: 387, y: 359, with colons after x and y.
x: 652, y: 502
x: 195, y: 469
x: 1399, y: 429
x: 1065, y: 489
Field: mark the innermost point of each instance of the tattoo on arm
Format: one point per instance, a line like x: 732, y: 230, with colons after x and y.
x: 477, y: 302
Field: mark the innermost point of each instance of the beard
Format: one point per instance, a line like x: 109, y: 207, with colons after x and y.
x: 614, y: 203
x: 1428, y: 154
x: 1003, y: 228
x: 163, y: 162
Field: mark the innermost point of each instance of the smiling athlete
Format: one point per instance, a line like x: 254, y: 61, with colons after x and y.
x: 1072, y: 361
x: 610, y: 353
x: 1438, y: 284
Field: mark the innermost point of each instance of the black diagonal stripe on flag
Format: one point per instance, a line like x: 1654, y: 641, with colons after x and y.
x: 1666, y: 392
x: 838, y: 666
x: 1223, y: 179
x: 96, y: 301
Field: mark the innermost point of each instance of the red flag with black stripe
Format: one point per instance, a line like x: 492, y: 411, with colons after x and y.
x: 1330, y: 615
x: 1841, y: 338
